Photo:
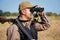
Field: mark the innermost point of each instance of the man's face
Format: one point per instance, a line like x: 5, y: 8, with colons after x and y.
x: 28, y: 13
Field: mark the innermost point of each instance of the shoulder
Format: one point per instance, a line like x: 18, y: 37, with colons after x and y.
x: 13, y: 26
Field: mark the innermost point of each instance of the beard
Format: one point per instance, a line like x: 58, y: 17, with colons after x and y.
x: 29, y: 17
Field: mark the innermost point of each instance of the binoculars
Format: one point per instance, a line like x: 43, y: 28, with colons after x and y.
x: 37, y: 9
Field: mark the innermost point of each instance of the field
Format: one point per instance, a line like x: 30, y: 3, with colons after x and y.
x: 53, y: 33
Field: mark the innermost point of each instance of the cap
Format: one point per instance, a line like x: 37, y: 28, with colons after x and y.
x: 24, y: 5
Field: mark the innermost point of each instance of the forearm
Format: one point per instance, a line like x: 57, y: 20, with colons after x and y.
x: 44, y: 24
x: 45, y: 21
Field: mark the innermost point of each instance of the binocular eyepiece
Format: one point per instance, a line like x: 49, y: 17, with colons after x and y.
x: 37, y: 9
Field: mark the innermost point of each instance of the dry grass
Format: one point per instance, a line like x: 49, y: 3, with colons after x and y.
x: 53, y: 33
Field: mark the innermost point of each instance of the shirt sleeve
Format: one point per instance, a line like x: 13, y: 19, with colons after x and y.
x: 13, y: 33
x: 43, y: 25
x: 9, y: 32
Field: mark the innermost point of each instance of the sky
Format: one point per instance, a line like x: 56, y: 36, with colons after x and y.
x: 49, y: 5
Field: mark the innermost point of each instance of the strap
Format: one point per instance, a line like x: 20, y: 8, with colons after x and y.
x: 21, y: 26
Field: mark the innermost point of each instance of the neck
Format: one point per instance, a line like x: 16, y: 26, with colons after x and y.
x: 23, y: 17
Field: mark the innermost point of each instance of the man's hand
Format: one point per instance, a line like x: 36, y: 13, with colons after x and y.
x: 41, y: 13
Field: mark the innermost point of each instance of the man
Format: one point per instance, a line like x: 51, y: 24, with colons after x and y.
x: 14, y: 33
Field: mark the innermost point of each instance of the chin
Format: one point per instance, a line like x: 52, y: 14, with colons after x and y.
x: 29, y: 18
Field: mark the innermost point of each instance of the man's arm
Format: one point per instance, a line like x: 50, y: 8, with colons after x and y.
x: 44, y: 24
x: 13, y: 33
x: 9, y: 33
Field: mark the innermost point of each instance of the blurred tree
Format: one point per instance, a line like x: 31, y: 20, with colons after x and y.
x: 59, y: 14
x: 1, y: 13
x: 7, y: 13
x: 15, y: 14
x: 51, y: 14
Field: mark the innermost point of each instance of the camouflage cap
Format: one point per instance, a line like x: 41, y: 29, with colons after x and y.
x: 24, y: 5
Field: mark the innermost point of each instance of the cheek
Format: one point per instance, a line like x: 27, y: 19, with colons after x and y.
x: 28, y: 12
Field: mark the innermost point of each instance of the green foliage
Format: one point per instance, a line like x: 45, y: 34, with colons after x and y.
x: 7, y: 13
x: 1, y: 13
x: 14, y: 14
x: 58, y: 14
x: 51, y: 14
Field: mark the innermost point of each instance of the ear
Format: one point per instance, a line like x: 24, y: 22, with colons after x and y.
x: 23, y: 11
